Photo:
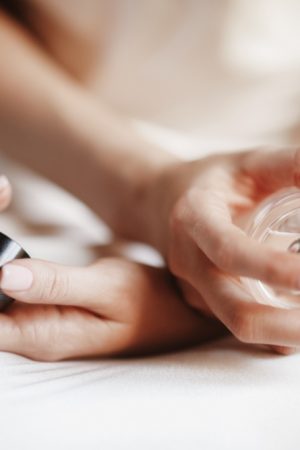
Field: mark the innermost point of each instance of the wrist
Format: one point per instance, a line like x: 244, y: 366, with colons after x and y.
x: 162, y: 195
x: 145, y: 208
x: 117, y: 168
x: 123, y: 175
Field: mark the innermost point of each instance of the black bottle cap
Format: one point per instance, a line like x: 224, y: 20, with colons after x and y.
x: 9, y: 250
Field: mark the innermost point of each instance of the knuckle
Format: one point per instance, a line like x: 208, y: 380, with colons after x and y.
x: 243, y: 325
x: 224, y: 253
x: 56, y: 285
x: 184, y: 209
x: 45, y: 348
x: 182, y: 221
x: 179, y: 214
x: 179, y: 258
x: 271, y: 271
x: 176, y: 260
x: 51, y: 349
x: 177, y: 263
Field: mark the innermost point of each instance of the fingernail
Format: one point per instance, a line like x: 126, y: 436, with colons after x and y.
x: 15, y: 278
x: 3, y: 182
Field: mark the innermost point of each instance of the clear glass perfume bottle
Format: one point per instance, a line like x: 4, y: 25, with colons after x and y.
x: 277, y: 223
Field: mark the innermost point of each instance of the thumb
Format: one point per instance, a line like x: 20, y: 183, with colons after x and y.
x: 35, y: 281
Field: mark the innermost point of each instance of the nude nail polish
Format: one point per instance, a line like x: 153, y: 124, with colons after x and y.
x: 276, y: 223
x: 15, y: 278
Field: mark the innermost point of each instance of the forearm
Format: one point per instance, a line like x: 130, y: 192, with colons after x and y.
x: 54, y: 126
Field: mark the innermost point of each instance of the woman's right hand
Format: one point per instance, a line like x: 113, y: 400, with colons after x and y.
x: 198, y: 208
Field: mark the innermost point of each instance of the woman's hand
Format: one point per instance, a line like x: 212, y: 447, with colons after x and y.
x: 202, y: 206
x: 113, y: 307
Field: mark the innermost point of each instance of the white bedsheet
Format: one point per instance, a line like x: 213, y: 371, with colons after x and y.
x: 223, y: 395
x: 220, y: 396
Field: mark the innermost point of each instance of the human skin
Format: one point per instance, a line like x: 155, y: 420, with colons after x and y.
x: 191, y: 212
x: 113, y: 307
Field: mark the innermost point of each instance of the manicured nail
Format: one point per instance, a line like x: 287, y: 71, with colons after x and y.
x: 3, y: 182
x: 15, y: 278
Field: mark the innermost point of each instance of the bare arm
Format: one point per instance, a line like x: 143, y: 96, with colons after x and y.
x: 52, y: 124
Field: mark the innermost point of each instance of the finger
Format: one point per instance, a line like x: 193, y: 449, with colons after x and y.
x: 273, y: 169
x: 48, y: 333
x: 249, y: 321
x: 10, y: 335
x: 209, y: 224
x: 5, y: 192
x: 34, y: 281
x: 283, y: 350
x: 229, y: 301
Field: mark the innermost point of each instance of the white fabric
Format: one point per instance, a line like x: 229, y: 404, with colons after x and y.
x: 214, y: 90
x: 223, y: 395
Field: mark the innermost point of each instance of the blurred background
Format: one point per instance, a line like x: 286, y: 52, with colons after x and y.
x: 195, y: 76
x: 218, y: 74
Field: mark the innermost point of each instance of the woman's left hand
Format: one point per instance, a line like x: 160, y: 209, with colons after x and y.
x: 113, y: 307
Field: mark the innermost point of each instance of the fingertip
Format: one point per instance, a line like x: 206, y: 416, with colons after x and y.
x: 15, y: 277
x: 282, y: 350
x: 5, y: 192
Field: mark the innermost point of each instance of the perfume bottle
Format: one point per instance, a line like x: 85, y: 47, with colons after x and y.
x: 277, y: 223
